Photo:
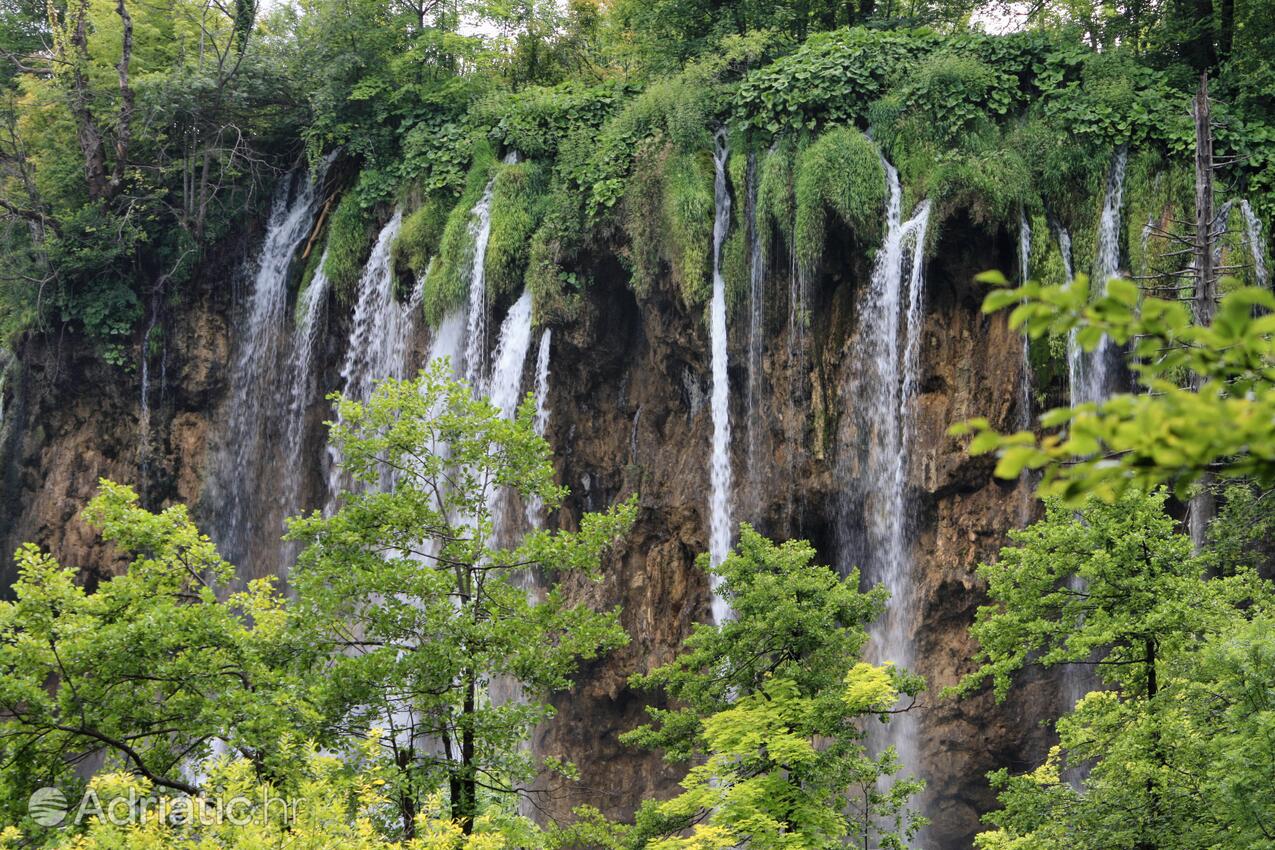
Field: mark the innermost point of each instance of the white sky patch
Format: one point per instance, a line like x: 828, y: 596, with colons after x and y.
x: 1002, y: 18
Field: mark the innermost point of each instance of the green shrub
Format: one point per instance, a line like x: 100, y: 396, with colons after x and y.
x: 517, y: 203
x: 349, y: 243
x: 776, y: 197
x: 840, y: 172
x: 688, y: 209
x: 447, y: 281
x: 642, y: 217
x: 992, y: 186
x: 556, y: 246
x: 679, y: 109
x: 535, y: 120
x: 419, y: 237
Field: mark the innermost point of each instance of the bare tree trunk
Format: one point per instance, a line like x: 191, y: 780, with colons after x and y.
x: 87, y: 133
x: 1203, y: 505
x: 124, y: 130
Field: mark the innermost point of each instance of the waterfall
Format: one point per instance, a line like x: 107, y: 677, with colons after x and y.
x: 309, y: 311
x: 476, y: 317
x: 1075, y: 364
x: 883, y: 386
x: 510, y: 355
x: 144, y: 399
x: 756, y: 329
x: 719, y: 466
x: 1253, y: 236
x: 380, y: 334
x: 535, y: 504
x: 1095, y: 369
x: 476, y: 330
x: 243, y: 493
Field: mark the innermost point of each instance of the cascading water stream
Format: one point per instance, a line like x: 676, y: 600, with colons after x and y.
x: 1095, y: 366
x: 535, y: 505
x: 380, y: 335
x: 243, y: 488
x: 1253, y: 236
x: 305, y: 334
x: 719, y: 467
x: 476, y: 317
x: 883, y: 387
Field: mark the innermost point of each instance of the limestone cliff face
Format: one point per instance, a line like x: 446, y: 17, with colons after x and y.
x: 629, y: 394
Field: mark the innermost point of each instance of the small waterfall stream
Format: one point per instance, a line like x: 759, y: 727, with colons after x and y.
x: 535, y: 505
x: 309, y: 313
x: 1024, y: 274
x: 719, y: 468
x: 1095, y: 366
x: 380, y: 335
x: 476, y: 317
x: 875, y: 522
x: 243, y: 491
x: 1253, y: 236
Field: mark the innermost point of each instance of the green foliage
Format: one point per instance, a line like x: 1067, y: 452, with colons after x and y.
x: 679, y: 109
x: 830, y: 79
x: 418, y: 607
x: 771, y: 716
x: 147, y: 670
x: 420, y: 236
x: 1170, y: 739
x: 840, y: 172
x: 687, y: 208
x: 534, y: 121
x: 329, y: 802
x: 777, y: 197
x: 668, y: 218
x: 517, y: 203
x: 449, y: 276
x: 555, y: 248
x: 1168, y: 435
x: 349, y: 243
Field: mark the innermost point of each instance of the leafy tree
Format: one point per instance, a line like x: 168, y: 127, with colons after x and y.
x: 771, y: 714
x: 1116, y: 587
x: 422, y: 604
x: 1167, y: 435
x: 145, y: 673
x: 334, y: 803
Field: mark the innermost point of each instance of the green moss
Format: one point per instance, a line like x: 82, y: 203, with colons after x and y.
x: 842, y: 173
x: 553, y: 256
x: 736, y: 259
x: 642, y: 217
x: 992, y: 186
x: 348, y: 246
x: 419, y: 236
x: 679, y: 110
x: 687, y: 208
x: 448, y: 279
x: 776, y: 198
x: 517, y: 203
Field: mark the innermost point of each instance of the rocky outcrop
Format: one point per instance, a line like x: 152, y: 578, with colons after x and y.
x: 629, y: 399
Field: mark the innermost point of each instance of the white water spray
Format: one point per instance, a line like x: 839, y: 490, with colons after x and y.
x: 719, y: 466
x: 243, y: 491
x: 1095, y: 372
x: 380, y: 335
x: 535, y: 505
x: 885, y: 383
x: 1253, y: 236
